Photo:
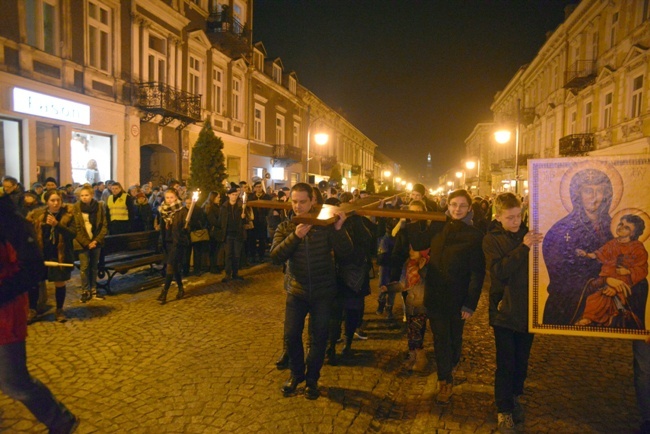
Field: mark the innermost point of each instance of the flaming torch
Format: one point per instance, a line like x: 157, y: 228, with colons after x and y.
x: 195, y: 198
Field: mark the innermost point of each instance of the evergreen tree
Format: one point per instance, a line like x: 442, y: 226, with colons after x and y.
x: 208, y: 166
x: 335, y: 175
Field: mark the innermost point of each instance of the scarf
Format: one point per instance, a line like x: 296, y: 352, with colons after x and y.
x: 167, y: 211
x: 467, y: 219
x: 91, y: 209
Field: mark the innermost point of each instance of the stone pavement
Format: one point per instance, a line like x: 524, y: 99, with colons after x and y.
x: 206, y: 365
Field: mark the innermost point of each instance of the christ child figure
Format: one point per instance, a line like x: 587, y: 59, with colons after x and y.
x: 624, y: 264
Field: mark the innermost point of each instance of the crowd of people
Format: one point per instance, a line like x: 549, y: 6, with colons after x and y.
x: 436, y: 267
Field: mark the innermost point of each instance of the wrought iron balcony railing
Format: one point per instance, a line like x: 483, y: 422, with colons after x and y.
x: 287, y: 153
x: 576, y: 144
x: 580, y: 74
x: 355, y: 169
x: 327, y: 163
x: 224, y: 22
x: 161, y: 99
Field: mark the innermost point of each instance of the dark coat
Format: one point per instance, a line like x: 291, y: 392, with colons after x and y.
x: 311, y: 271
x: 506, y: 258
x: 456, y: 269
x: 67, y: 230
x: 222, y: 225
x: 416, y: 234
x: 360, y: 255
x: 176, y: 238
x: 212, y: 219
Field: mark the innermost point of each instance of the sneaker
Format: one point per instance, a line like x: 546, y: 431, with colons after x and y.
x: 505, y: 424
x: 60, y: 316
x: 97, y: 296
x: 518, y: 411
x: 85, y: 296
x: 360, y: 334
x: 445, y: 390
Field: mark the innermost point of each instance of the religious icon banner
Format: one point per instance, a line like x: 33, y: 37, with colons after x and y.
x: 590, y: 273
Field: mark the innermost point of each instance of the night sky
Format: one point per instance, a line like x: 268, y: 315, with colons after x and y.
x: 413, y: 76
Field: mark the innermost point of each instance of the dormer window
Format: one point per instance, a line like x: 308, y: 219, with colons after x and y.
x: 277, y: 74
x: 258, y: 60
x: 292, y: 85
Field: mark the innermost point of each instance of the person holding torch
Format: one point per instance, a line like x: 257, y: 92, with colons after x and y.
x: 175, y: 240
x: 230, y: 230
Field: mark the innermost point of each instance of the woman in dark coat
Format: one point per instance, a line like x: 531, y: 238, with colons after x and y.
x: 55, y: 230
x: 175, y: 240
x: 211, y: 208
x: 198, y: 222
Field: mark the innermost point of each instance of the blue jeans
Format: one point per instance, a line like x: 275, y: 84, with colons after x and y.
x: 88, y: 260
x: 294, y: 324
x: 16, y: 383
x: 641, y: 352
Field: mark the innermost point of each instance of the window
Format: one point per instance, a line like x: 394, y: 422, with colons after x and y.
x: 643, y: 9
x: 217, y: 89
x: 99, y: 36
x: 588, y: 115
x: 296, y: 134
x: 292, y: 85
x: 258, y: 126
x: 279, y: 129
x: 194, y: 76
x: 612, y: 30
x: 607, y: 110
x: 277, y: 74
x: 42, y: 24
x: 233, y: 165
x: 157, y: 58
x: 258, y: 60
x: 90, y: 157
x: 573, y: 117
x: 10, y: 148
x: 637, y: 96
x: 594, y: 46
x: 554, y: 77
x: 236, y: 97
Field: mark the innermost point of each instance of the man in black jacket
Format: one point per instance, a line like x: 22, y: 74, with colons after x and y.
x: 310, y: 282
x: 21, y: 267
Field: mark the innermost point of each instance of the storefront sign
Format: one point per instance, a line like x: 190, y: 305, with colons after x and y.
x: 47, y: 106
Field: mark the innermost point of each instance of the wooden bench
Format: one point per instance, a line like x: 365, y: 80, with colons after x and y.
x: 124, y: 252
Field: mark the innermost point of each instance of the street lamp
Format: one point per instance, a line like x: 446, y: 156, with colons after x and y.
x: 503, y: 136
x: 387, y: 174
x: 470, y: 165
x: 319, y: 138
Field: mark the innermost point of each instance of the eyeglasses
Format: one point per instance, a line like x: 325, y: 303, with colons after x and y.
x: 458, y: 205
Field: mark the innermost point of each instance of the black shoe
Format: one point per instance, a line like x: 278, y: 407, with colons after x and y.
x: 283, y: 362
x: 237, y: 277
x: 162, y: 298
x: 311, y: 390
x: 180, y: 294
x: 330, y: 356
x: 85, y: 296
x: 226, y: 279
x: 289, y: 388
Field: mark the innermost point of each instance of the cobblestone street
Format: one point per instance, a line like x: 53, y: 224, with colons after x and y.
x: 206, y: 364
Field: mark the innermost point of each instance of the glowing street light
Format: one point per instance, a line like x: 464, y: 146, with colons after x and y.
x: 503, y: 136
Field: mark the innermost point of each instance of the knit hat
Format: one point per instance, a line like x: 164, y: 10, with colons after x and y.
x: 419, y: 188
x: 232, y: 190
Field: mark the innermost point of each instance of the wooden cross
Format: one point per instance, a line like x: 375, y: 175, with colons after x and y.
x: 323, y: 215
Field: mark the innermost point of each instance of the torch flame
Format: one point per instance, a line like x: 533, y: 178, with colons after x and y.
x: 195, y: 196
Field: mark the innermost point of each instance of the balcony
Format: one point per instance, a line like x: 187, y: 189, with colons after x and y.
x: 355, y: 170
x: 579, y: 75
x: 285, y: 155
x: 523, y: 159
x: 160, y: 99
x: 327, y: 163
x: 507, y: 163
x: 228, y: 33
x: 576, y: 144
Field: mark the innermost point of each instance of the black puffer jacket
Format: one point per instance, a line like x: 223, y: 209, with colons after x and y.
x: 456, y: 269
x: 506, y: 257
x: 310, y: 273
